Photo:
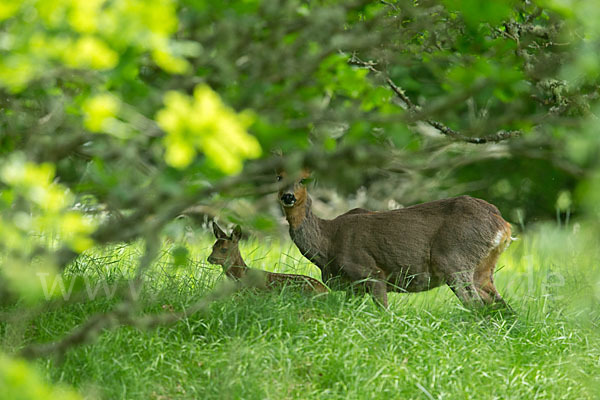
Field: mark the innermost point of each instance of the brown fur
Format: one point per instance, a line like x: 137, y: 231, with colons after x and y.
x: 225, y: 252
x: 456, y: 241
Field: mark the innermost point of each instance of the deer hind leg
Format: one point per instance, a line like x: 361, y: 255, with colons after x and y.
x: 483, y: 279
x: 464, y: 288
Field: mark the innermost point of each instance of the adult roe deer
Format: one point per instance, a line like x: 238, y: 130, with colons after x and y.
x: 456, y: 241
x: 226, y: 252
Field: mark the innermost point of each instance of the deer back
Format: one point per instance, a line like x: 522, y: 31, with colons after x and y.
x: 434, y: 239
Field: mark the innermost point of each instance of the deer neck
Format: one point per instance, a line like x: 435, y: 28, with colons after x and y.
x: 236, y: 267
x: 308, y: 232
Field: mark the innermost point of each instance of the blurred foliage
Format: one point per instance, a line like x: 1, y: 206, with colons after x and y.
x: 35, y: 210
x: 20, y: 382
x: 207, y: 125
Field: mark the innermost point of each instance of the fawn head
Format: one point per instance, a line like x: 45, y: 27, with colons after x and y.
x: 225, y: 251
x: 293, y: 194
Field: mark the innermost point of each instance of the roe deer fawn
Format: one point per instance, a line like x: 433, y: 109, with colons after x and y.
x: 226, y: 252
x: 456, y: 241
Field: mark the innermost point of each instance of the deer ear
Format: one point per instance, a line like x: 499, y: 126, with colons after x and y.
x: 219, y: 234
x: 236, y: 235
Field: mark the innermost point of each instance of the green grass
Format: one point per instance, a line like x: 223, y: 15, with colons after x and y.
x: 283, y: 345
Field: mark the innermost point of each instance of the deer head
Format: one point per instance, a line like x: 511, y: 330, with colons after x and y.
x: 293, y: 196
x: 294, y: 193
x: 225, y: 251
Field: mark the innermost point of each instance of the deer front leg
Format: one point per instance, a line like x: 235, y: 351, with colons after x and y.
x: 373, y: 280
x: 378, y: 290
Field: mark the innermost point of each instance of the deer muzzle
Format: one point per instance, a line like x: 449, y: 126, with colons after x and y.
x: 288, y: 199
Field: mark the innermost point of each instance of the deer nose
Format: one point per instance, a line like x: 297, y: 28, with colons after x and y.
x: 288, y: 199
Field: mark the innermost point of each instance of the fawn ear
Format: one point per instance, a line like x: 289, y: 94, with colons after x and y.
x: 219, y: 234
x: 236, y: 235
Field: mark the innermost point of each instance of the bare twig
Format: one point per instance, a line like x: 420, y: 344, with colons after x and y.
x: 152, y: 247
x: 387, y: 3
x: 494, y: 138
x: 416, y: 112
x: 122, y: 315
x: 82, y: 334
x: 400, y: 93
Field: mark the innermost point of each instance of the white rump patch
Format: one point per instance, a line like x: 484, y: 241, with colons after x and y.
x: 498, y: 238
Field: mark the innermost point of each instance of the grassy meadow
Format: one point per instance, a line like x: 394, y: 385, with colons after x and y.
x: 283, y: 345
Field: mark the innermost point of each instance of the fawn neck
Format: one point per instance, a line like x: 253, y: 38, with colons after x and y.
x: 308, y: 232
x: 235, y: 267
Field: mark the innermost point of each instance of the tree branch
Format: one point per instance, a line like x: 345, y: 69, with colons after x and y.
x: 415, y: 111
x: 122, y: 315
x: 493, y: 138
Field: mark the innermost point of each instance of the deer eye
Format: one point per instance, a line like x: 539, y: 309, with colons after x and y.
x: 279, y: 177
